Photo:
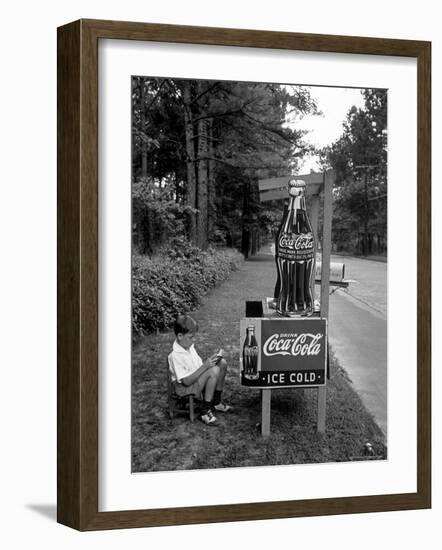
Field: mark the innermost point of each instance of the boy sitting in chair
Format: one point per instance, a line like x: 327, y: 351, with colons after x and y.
x: 191, y: 376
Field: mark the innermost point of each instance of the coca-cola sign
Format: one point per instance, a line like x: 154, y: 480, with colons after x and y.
x: 291, y: 352
x: 293, y: 344
x: 297, y: 242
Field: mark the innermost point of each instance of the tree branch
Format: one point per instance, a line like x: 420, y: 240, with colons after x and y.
x: 156, y: 95
x: 222, y: 161
x: 269, y: 129
x: 204, y: 92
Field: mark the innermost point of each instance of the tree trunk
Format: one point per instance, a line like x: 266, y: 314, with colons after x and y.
x: 202, y: 188
x: 211, y: 190
x: 148, y: 215
x: 245, y: 238
x: 143, y: 128
x: 190, y: 160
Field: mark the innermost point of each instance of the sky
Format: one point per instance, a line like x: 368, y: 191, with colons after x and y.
x: 324, y: 130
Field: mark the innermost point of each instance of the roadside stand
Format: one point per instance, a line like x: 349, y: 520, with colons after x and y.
x: 283, y: 348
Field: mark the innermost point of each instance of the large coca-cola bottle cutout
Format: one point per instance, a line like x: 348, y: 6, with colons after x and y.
x: 278, y: 277
x: 295, y: 257
x: 250, y: 355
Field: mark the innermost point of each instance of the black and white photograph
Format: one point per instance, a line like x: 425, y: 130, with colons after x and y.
x: 259, y: 274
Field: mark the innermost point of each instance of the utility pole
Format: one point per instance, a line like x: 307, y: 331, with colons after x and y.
x: 367, y: 214
x: 366, y: 168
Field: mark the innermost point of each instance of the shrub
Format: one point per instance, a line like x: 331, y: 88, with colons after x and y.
x: 174, y: 282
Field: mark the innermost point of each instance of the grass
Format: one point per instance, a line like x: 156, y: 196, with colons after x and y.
x: 159, y: 443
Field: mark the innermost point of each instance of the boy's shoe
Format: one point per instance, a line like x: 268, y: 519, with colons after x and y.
x: 208, y: 418
x: 222, y: 407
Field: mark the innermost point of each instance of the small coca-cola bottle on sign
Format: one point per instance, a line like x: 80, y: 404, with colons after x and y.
x: 295, y: 257
x: 250, y: 355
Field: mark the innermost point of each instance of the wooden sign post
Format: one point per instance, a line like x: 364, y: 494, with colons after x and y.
x: 276, y: 189
x: 325, y: 275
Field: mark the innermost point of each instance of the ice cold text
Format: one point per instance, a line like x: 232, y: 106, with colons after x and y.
x: 301, y: 378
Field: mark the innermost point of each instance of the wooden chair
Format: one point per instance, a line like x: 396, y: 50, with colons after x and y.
x: 177, y: 403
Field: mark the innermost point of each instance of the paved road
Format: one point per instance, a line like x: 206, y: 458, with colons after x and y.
x: 371, y: 282
x: 358, y: 332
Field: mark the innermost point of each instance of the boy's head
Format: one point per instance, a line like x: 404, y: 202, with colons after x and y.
x: 185, y: 328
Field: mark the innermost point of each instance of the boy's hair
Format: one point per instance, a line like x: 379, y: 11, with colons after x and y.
x: 184, y: 324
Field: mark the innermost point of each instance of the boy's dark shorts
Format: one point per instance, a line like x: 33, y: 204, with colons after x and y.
x: 194, y: 389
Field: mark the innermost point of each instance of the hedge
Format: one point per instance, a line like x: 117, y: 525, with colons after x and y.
x: 174, y: 282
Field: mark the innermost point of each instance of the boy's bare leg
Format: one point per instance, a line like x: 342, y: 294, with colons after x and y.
x: 222, y: 374
x: 208, y: 380
x: 217, y: 400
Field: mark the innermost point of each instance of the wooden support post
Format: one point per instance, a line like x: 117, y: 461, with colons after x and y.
x: 315, y: 226
x: 325, y: 279
x: 314, y: 216
x: 266, y: 395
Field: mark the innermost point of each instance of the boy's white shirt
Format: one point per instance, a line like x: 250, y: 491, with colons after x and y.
x: 183, y: 362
